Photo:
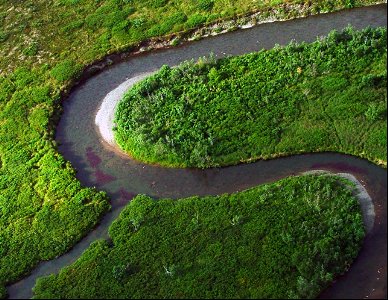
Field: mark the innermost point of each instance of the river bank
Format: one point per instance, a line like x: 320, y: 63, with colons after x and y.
x: 105, y: 114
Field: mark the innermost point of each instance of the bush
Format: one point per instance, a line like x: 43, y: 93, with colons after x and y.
x: 206, y: 5
x: 6, y: 89
x: 3, y: 292
x: 138, y: 22
x: 177, y: 18
x: 120, y: 272
x: 373, y: 80
x: 3, y: 36
x: 157, y: 3
x: 94, y: 21
x: 376, y: 111
x: 167, y: 25
x: 31, y: 50
x: 66, y: 70
x: 195, y: 20
x: 72, y: 26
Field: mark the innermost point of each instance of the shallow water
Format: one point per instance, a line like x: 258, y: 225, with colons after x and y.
x: 99, y: 165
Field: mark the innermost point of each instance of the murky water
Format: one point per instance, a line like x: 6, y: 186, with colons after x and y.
x: 99, y: 165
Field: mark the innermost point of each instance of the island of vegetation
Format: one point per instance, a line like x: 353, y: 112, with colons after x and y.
x: 329, y: 95
x: 44, y: 47
x: 287, y: 239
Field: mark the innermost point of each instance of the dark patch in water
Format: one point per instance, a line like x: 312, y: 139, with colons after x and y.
x: 123, y: 198
x: 103, y: 178
x: 125, y: 195
x: 93, y: 159
x: 339, y: 167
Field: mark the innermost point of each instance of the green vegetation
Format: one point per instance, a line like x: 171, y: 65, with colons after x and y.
x: 34, y: 32
x: 283, y: 240
x: 3, y: 292
x: 44, y: 45
x: 329, y: 95
x: 43, y: 208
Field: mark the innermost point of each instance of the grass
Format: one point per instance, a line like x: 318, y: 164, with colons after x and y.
x: 44, y: 46
x: 44, y: 210
x: 288, y: 239
x: 329, y: 95
x: 35, y: 32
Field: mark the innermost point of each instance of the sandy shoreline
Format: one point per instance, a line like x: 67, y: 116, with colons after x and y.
x: 105, y: 114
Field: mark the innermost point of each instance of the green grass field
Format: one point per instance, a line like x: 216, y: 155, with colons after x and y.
x: 44, y: 46
x: 329, y: 95
x: 283, y: 240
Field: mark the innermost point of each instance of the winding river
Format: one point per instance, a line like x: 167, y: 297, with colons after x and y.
x: 100, y: 165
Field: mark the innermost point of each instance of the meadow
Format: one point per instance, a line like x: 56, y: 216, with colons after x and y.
x: 287, y: 239
x: 45, y: 45
x: 329, y: 95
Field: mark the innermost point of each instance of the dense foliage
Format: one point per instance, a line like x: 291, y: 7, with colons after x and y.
x: 44, y: 44
x: 329, y: 95
x: 3, y: 292
x: 283, y: 240
x: 44, y: 210
x: 48, y: 31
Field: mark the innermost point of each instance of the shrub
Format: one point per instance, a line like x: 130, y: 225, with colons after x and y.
x: 66, y: 70
x: 205, y: 4
x: 72, y: 26
x: 375, y: 112
x: 94, y: 21
x: 22, y: 77
x: 168, y: 24
x: 177, y: 18
x: 121, y: 27
x: 138, y: 22
x: 120, y: 272
x: 31, y: 50
x: 3, y: 36
x: 157, y: 3
x: 195, y: 20
x: 3, y: 292
x: 373, y: 80
x: 69, y: 2
x: 6, y: 89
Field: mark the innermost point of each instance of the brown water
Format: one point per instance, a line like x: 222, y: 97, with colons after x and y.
x: 98, y: 165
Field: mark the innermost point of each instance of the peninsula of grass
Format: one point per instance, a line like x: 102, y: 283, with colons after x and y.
x: 44, y: 46
x: 287, y: 239
x: 329, y: 95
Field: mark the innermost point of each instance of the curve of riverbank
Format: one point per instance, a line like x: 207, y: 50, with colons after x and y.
x: 122, y: 178
x: 360, y: 192
x: 105, y: 114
